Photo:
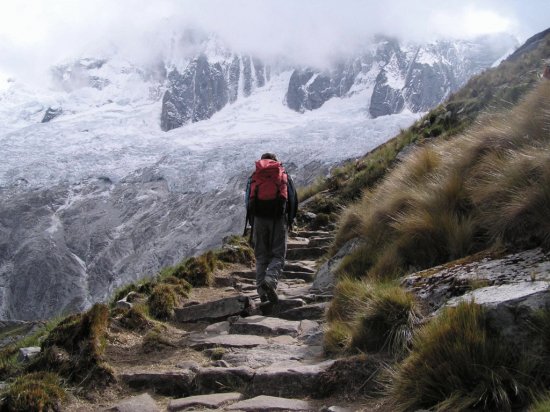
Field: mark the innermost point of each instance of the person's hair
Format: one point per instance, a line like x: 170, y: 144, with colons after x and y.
x: 270, y: 156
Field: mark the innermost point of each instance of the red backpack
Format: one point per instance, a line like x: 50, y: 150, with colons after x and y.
x: 268, y: 189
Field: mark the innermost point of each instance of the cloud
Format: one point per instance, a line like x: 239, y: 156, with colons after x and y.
x: 35, y: 33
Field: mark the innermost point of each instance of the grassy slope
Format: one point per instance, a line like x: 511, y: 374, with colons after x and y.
x: 477, y: 175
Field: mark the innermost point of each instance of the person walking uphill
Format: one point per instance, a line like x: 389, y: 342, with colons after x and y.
x: 271, y: 206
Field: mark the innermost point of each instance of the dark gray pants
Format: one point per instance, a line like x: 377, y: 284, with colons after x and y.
x: 269, y: 239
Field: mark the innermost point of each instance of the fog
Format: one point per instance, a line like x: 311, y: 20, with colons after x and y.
x: 34, y: 34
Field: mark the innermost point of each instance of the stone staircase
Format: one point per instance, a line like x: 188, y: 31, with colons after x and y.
x: 265, y: 357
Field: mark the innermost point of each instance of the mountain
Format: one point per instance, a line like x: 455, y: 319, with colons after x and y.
x: 392, y: 76
x: 94, y: 194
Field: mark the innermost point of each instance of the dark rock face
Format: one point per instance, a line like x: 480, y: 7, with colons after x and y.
x: 204, y: 88
x: 385, y: 99
x: 194, y: 95
x: 417, y: 78
x: 51, y: 113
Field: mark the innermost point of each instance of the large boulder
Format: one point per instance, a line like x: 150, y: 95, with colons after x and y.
x: 510, y: 309
x: 325, y: 278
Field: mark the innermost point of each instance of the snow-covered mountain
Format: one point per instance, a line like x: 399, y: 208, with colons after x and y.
x: 94, y: 194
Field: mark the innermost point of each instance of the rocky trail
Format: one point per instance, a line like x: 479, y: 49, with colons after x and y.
x: 227, y: 351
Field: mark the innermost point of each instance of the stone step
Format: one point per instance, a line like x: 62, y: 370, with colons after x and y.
x: 266, y: 326
x: 172, y: 383
x: 291, y: 274
x: 271, y: 403
x: 246, y: 274
x: 294, y: 243
x: 281, y: 350
x: 269, y: 309
x: 215, y: 380
x: 294, y: 381
x: 312, y: 312
x: 305, y: 266
x: 214, y: 401
x: 306, y: 253
x: 226, y: 341
x: 216, y: 310
x: 311, y: 233
x: 223, y: 281
x: 317, y: 241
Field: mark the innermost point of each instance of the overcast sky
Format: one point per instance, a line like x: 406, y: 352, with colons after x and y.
x: 38, y: 33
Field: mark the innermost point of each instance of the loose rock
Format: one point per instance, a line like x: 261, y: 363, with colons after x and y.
x: 271, y: 403
x: 141, y: 403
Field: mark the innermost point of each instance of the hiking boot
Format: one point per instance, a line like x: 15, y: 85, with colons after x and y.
x: 263, y: 298
x: 270, y: 292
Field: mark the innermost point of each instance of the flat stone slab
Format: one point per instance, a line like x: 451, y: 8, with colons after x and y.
x: 312, y: 233
x: 271, y: 403
x: 491, y: 296
x: 297, y: 267
x: 263, y: 325
x: 313, y: 312
x: 273, y: 353
x: 320, y: 240
x: 306, y: 253
x: 301, y: 275
x: 227, y: 341
x: 219, y: 328
x: 173, y: 383
x: 437, y: 285
x: 294, y: 243
x: 288, y: 381
x: 216, y: 380
x: 216, y: 310
x: 141, y: 403
x: 510, y: 308
x: 215, y: 400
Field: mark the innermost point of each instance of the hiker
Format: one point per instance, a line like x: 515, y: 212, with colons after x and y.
x: 546, y: 73
x: 271, y: 206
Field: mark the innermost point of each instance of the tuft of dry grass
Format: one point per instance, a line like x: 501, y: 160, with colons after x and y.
x: 387, y: 321
x: 450, y: 199
x: 456, y: 364
x: 349, y: 295
x: 74, y: 348
x: 34, y: 392
x: 162, y: 302
x: 198, y: 271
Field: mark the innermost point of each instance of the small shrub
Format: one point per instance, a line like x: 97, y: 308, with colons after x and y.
x: 162, y: 302
x: 456, y: 364
x: 34, y: 392
x: 387, y: 321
